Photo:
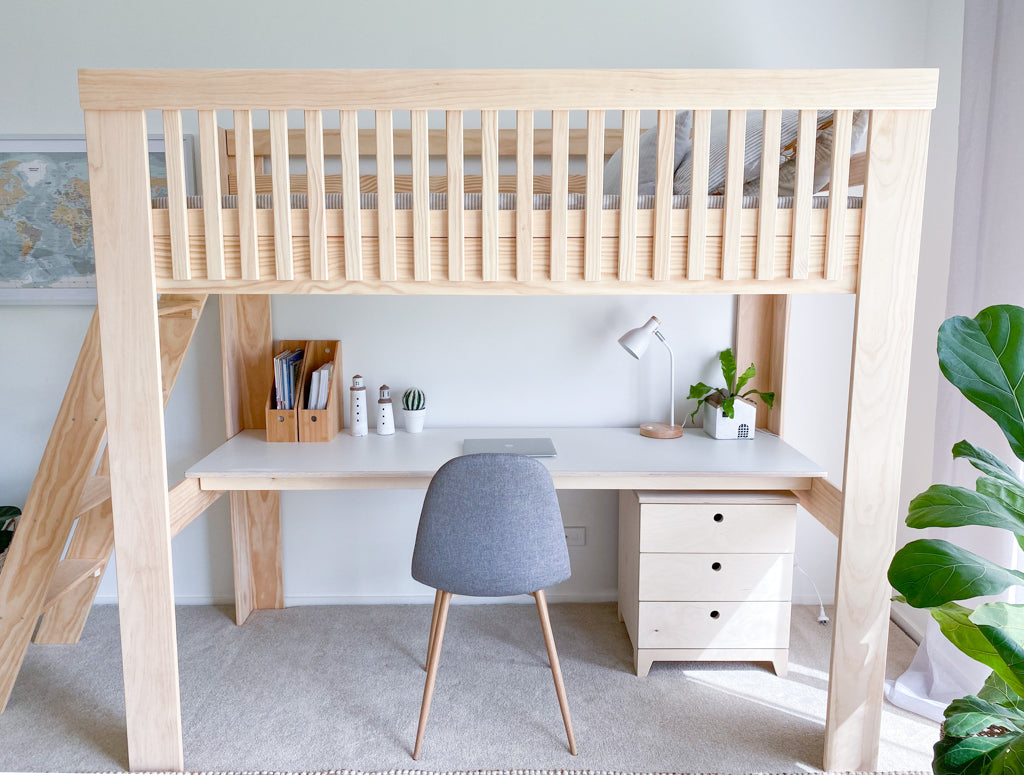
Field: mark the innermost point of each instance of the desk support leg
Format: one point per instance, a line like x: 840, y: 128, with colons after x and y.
x: 130, y: 343
x: 256, y: 547
x: 247, y: 355
x: 890, y: 243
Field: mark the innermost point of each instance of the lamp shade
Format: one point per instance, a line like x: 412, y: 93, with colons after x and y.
x: 636, y: 341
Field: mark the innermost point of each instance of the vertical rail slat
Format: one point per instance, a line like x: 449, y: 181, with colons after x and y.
x: 665, y: 171
x: 209, y: 168
x: 524, y: 196
x: 245, y: 172
x: 349, y: 125
x: 803, y: 191
x: 282, y: 197
x: 595, y: 195
x: 420, y: 195
x: 838, y: 190
x: 316, y: 195
x: 628, y: 193
x: 733, y: 195
x: 174, y: 154
x: 769, y: 194
x: 456, y: 196
x: 386, y: 195
x: 700, y: 161
x: 559, y: 191
x: 489, y: 188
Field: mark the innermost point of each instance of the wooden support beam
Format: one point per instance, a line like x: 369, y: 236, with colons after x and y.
x: 127, y: 305
x: 187, y: 502
x: 369, y: 142
x: 247, y: 353
x: 762, y: 335
x: 824, y: 502
x: 890, y: 245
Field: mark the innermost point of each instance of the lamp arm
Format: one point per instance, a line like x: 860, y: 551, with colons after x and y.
x: 671, y: 379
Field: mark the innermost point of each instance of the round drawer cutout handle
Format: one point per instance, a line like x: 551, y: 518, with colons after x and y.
x: 719, y: 518
x: 716, y: 566
x: 715, y: 614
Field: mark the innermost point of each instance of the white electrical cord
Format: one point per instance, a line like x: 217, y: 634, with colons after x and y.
x: 822, y: 616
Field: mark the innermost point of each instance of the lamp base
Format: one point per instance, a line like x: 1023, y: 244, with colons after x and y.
x: 660, y: 430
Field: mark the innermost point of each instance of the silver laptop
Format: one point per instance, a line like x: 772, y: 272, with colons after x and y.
x: 543, y: 447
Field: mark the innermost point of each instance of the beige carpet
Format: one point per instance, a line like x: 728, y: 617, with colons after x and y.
x: 505, y: 772
x: 323, y: 688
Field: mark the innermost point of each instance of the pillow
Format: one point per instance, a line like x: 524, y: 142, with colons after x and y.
x: 649, y: 156
x: 787, y: 152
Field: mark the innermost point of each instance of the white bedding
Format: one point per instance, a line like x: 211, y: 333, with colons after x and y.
x: 505, y: 202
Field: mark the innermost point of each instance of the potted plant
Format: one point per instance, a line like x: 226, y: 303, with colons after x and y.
x: 727, y: 412
x: 984, y: 734
x: 414, y: 407
x: 8, y: 521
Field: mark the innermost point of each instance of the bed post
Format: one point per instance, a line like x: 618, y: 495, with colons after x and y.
x: 130, y: 340
x: 762, y: 336
x: 890, y: 244
x: 246, y: 352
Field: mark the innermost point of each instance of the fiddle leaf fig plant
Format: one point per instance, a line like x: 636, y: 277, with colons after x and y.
x: 983, y: 734
x: 733, y: 386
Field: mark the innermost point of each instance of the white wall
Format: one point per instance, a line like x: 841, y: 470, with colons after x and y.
x: 488, y: 372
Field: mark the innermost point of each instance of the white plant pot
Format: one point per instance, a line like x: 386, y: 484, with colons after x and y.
x: 741, y: 426
x: 414, y: 419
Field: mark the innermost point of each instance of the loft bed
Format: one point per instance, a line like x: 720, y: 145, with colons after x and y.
x: 255, y: 233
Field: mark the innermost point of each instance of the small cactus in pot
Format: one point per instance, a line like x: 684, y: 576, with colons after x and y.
x: 414, y: 407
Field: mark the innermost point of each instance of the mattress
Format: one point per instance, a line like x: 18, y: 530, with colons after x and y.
x: 439, y: 201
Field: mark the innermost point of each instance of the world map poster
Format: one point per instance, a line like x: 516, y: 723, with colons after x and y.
x: 46, y: 218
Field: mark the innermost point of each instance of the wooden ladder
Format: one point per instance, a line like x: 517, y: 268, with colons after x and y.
x: 70, y: 497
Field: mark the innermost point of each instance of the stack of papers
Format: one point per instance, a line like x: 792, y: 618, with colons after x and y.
x: 319, y: 387
x: 287, y: 370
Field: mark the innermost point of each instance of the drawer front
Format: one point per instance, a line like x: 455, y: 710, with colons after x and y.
x: 713, y: 625
x: 717, y: 527
x: 721, y: 576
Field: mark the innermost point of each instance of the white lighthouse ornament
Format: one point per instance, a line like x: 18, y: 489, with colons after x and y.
x: 385, y: 413
x: 358, y: 406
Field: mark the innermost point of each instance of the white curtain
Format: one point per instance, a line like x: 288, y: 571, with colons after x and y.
x: 986, y: 267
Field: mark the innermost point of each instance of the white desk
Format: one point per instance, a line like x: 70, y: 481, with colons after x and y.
x: 588, y: 459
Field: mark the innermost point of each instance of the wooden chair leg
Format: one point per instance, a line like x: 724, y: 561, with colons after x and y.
x: 433, y: 627
x: 556, y: 668
x: 435, y: 658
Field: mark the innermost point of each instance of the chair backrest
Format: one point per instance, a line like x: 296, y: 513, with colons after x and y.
x: 491, y: 527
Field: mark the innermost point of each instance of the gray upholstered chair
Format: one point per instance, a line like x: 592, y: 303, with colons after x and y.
x: 490, y: 527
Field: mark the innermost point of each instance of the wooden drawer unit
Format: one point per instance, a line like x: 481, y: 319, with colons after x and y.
x: 706, y: 575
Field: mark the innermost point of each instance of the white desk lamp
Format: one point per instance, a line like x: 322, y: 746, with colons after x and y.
x: 635, y: 342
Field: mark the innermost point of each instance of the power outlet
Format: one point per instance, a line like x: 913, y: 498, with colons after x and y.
x: 575, y: 536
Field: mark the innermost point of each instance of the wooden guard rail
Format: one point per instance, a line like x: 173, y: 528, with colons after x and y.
x: 245, y: 248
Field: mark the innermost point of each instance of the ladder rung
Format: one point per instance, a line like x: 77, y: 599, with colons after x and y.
x: 69, y: 574
x: 178, y: 307
x: 96, y: 490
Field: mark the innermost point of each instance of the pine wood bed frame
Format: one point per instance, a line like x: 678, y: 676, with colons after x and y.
x: 763, y: 254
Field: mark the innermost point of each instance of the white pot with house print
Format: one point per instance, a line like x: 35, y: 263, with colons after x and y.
x: 718, y: 403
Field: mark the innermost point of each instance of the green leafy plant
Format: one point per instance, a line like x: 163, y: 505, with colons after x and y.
x: 728, y: 395
x: 983, y: 734
x: 8, y: 521
x: 414, y: 399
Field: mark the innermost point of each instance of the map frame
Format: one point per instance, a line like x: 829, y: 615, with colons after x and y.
x: 73, y: 145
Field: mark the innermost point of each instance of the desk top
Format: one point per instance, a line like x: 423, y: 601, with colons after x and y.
x: 588, y: 458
